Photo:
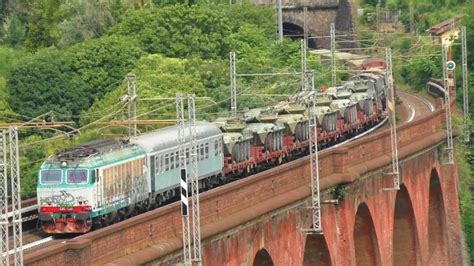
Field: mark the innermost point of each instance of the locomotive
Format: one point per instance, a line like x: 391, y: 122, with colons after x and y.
x: 105, y: 181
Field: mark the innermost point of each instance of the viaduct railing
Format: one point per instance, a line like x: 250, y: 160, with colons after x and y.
x: 157, y: 234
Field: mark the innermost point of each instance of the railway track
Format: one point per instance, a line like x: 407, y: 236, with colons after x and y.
x: 417, y: 105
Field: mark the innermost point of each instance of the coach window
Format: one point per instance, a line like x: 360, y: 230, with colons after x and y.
x: 172, y: 161
x: 202, y: 152
x: 216, y: 147
x: 162, y: 163
x: 206, y: 150
x: 176, y: 159
x: 220, y: 146
x: 157, y: 165
x: 167, y: 162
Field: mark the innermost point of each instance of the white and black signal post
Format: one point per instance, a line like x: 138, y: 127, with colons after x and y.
x: 184, y: 180
x: 4, y: 260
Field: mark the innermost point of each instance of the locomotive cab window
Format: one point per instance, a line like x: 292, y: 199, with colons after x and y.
x: 50, y: 177
x: 77, y: 176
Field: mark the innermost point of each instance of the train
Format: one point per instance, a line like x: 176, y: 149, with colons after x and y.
x: 105, y: 181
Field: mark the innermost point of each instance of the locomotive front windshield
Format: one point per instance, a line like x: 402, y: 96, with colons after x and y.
x: 77, y: 176
x: 50, y: 177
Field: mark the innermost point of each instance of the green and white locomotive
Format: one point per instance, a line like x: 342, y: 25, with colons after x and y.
x: 106, y: 181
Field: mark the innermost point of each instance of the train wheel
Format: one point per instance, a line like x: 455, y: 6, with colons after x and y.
x: 96, y: 223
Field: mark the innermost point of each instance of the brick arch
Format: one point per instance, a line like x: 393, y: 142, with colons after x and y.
x: 262, y: 258
x: 437, y: 238
x: 294, y: 31
x: 344, y: 21
x: 365, y: 238
x: 406, y: 247
x: 316, y: 251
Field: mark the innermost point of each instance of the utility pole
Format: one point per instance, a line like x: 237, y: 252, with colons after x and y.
x: 412, y: 18
x: 377, y: 16
x: 305, y: 26
x: 465, y: 86
x: 333, y: 55
x: 392, y: 118
x: 16, y: 197
x: 132, y: 105
x: 447, y: 105
x: 187, y: 260
x: 195, y: 181
x: 4, y: 260
x: 313, y: 154
x: 303, y: 65
x: 233, y: 85
x: 279, y: 20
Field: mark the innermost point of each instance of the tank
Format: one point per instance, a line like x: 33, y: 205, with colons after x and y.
x: 346, y: 108
x: 289, y: 108
x: 260, y: 115
x: 266, y: 134
x: 237, y: 146
x: 290, y: 121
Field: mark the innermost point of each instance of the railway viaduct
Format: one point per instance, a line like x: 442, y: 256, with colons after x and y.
x: 319, y: 16
x: 258, y: 220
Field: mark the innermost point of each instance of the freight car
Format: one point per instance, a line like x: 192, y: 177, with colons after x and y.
x: 96, y: 184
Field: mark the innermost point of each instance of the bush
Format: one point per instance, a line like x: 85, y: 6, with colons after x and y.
x: 178, y: 31
x: 68, y: 81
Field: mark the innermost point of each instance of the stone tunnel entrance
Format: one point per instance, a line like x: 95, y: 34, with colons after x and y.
x: 296, y: 32
x: 262, y: 258
x: 405, y: 235
x: 365, y: 239
x: 316, y: 251
x: 437, y: 223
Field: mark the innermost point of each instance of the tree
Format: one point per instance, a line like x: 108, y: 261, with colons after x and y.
x: 178, y: 31
x: 42, y: 29
x: 68, y: 81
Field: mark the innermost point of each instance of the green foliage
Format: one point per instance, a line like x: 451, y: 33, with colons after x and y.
x: 84, y: 20
x: 465, y: 161
x: 13, y: 31
x: 157, y: 77
x: 43, y: 24
x: 178, y: 31
x: 68, y: 81
x: 199, y: 30
x: 419, y: 70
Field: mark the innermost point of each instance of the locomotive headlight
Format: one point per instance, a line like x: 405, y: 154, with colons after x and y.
x: 63, y: 164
